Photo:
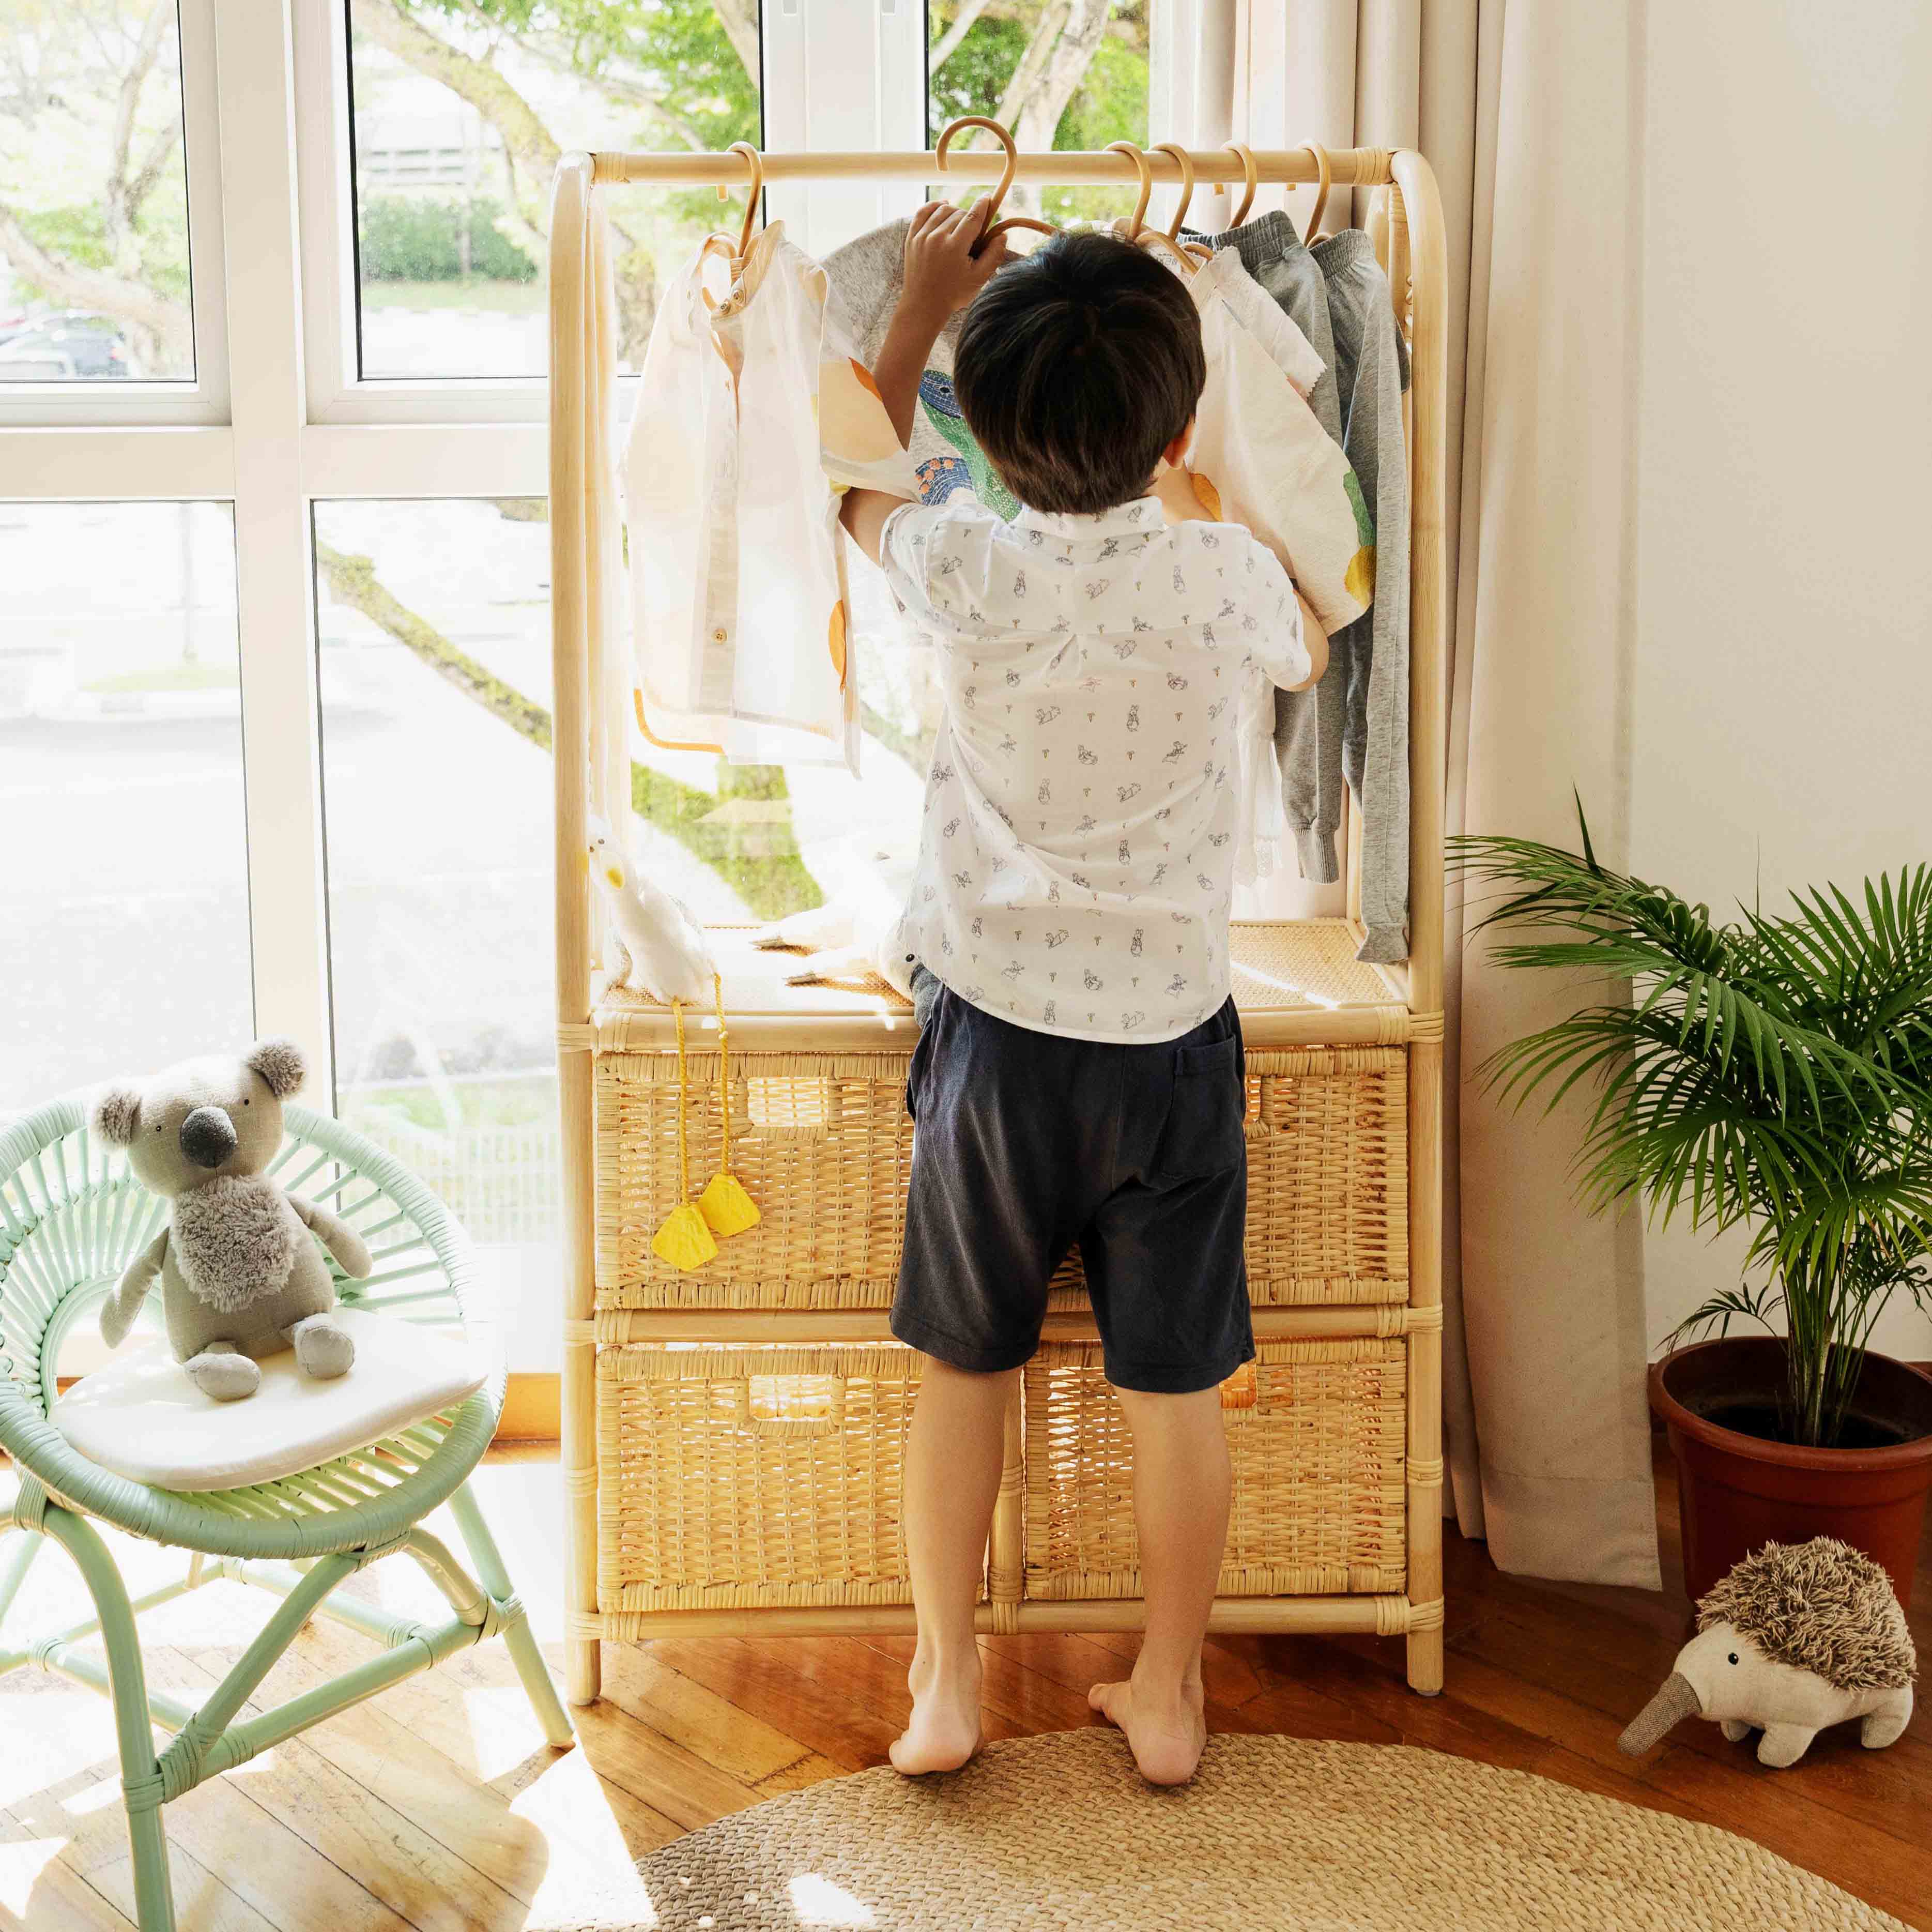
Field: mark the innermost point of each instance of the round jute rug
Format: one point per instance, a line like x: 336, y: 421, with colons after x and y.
x: 1060, y: 1832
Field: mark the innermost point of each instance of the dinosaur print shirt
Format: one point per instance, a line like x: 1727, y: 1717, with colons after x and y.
x: 1077, y: 860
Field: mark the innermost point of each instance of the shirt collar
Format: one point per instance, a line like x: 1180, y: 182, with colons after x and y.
x: 1072, y: 526
x: 705, y: 307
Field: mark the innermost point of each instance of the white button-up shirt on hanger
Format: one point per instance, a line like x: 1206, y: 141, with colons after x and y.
x: 754, y: 415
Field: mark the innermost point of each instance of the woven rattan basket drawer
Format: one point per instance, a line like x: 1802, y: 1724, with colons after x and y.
x: 821, y: 1141
x: 1327, y: 1180
x: 1318, y: 1474
x: 742, y: 1478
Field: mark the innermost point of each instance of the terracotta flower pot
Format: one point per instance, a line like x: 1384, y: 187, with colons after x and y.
x: 1737, y: 1493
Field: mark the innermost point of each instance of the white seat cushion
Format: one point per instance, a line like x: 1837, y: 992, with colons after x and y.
x: 143, y: 1417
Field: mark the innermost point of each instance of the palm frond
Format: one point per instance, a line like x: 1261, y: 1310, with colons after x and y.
x: 1775, y: 1071
x: 1728, y: 1305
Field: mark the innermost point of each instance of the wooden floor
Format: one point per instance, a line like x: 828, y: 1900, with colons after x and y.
x: 438, y: 1806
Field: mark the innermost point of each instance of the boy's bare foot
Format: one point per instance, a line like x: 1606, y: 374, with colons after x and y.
x: 943, y: 1731
x: 1166, y: 1733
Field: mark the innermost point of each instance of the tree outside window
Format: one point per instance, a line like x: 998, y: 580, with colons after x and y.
x: 94, y: 263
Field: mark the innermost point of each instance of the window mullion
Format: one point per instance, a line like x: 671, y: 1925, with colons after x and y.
x: 201, y: 138
x: 287, y: 911
x: 842, y: 74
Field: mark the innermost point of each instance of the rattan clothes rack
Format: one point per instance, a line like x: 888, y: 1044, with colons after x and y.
x: 731, y: 1438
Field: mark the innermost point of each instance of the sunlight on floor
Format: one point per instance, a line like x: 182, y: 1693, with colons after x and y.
x: 503, y: 1733
x: 93, y: 1798
x: 22, y: 1862
x: 818, y: 1902
x: 81, y: 1720
x: 591, y: 1879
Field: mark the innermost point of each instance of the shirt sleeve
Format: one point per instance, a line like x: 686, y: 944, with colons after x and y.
x: 938, y: 560
x: 1276, y: 644
x: 858, y: 448
x: 905, y: 547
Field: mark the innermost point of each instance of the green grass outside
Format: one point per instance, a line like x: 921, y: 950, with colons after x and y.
x: 168, y: 677
x: 518, y: 1101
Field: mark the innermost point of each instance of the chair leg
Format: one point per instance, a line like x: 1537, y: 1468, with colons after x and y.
x: 154, y: 1888
x: 517, y: 1635
x: 140, y: 1769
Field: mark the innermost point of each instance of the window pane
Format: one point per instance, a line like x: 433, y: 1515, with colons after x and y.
x: 93, y: 267
x: 125, y: 944
x: 1060, y: 77
x: 435, y: 680
x: 460, y: 115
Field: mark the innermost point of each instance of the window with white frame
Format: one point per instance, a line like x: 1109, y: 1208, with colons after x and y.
x: 275, y: 644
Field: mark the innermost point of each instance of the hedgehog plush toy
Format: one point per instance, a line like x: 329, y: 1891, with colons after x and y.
x: 1796, y: 1637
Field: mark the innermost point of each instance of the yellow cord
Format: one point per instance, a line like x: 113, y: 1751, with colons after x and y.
x: 683, y: 1160
x: 723, y: 1069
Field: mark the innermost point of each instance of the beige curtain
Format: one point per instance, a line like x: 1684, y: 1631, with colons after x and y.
x: 1531, y: 116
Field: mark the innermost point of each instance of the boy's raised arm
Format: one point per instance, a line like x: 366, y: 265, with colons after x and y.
x: 942, y: 273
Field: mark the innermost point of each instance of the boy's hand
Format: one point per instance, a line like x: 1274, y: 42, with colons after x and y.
x: 942, y: 273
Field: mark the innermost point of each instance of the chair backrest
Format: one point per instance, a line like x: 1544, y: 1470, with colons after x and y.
x: 72, y: 1216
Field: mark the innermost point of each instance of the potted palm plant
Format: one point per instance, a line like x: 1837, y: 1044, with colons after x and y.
x: 1774, y: 1072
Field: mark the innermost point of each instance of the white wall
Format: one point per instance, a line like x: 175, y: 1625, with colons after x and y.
x: 1782, y: 709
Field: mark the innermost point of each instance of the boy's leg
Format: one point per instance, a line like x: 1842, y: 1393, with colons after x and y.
x: 953, y: 1458
x: 1181, y: 1484
x: 1011, y: 1124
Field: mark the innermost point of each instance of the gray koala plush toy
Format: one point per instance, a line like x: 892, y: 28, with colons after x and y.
x: 240, y: 1276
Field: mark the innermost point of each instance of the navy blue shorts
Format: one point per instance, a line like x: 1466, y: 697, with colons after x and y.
x: 1027, y: 1142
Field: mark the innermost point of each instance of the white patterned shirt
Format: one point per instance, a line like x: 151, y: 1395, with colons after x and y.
x: 1076, y: 863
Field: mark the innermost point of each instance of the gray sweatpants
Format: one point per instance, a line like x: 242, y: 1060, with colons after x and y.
x: 1368, y: 661
x: 1352, y: 728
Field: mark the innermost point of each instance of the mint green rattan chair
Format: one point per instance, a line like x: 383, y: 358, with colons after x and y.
x: 71, y: 1217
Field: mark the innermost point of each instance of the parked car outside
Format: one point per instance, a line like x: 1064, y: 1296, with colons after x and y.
x: 91, y: 346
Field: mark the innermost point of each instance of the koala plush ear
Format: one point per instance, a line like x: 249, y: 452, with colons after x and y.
x: 280, y: 1064
x: 117, y: 1115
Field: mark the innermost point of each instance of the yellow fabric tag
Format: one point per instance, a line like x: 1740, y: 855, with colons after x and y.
x: 726, y: 1207
x: 684, y: 1240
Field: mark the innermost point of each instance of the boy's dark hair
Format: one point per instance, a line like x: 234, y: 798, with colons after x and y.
x: 1076, y: 366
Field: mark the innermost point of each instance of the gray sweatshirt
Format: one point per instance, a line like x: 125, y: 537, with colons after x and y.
x: 1353, y: 728
x: 1370, y: 656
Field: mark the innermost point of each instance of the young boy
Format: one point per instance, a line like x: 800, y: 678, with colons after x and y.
x: 1080, y: 1075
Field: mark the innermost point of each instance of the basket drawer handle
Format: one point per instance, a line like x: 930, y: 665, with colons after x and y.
x: 827, y: 1424
x: 1245, y: 1403
x: 1239, y: 1393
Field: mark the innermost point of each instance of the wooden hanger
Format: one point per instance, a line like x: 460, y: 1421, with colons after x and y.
x: 1251, y: 175
x: 1138, y: 233
x: 988, y: 229
x: 1320, y: 158
x: 1193, y: 250
x: 1146, y: 174
x: 735, y: 247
